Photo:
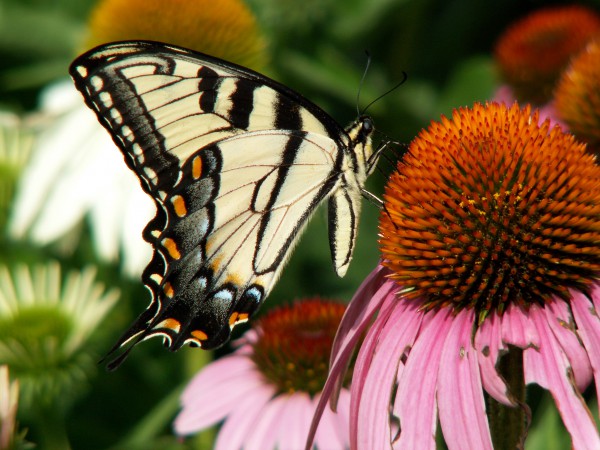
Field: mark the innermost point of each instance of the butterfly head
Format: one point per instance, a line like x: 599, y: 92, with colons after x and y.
x: 365, y: 129
x: 360, y: 133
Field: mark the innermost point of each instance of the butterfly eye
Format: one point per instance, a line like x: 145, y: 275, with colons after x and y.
x: 367, y: 126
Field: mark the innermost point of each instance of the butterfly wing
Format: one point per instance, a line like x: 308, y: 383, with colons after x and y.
x: 236, y: 164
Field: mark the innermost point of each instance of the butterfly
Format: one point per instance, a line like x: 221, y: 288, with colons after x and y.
x: 236, y: 163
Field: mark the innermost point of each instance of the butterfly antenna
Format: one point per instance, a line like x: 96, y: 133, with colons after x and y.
x: 404, y: 78
x: 362, y: 82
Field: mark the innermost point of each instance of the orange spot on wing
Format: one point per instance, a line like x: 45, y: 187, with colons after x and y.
x: 233, y: 279
x: 171, y: 324
x: 215, y: 265
x: 197, y: 167
x: 236, y: 318
x: 179, y: 205
x: 171, y: 247
x: 200, y: 335
x: 243, y: 317
x: 168, y: 290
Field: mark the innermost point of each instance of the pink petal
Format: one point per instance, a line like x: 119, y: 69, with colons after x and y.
x: 489, y: 345
x: 596, y: 296
x: 549, y: 367
x: 333, y: 431
x: 370, y: 417
x: 505, y: 95
x: 517, y: 328
x: 561, y: 323
x: 460, y: 394
x: 346, y: 342
x: 361, y: 301
x: 215, y: 391
x: 588, y: 324
x: 362, y: 365
x: 263, y: 436
x: 364, y: 304
x: 241, y: 422
x: 294, y: 422
x: 415, y: 399
x: 218, y: 373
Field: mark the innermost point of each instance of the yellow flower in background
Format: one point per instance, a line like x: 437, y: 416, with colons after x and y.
x: 577, y: 96
x: 223, y: 28
x: 76, y: 172
x: 532, y: 53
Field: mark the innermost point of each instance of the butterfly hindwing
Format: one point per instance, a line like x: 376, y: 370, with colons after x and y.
x: 236, y: 164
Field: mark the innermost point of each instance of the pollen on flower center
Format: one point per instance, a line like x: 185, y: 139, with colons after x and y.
x: 294, y: 344
x: 489, y: 207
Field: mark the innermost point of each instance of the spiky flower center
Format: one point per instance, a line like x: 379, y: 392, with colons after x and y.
x: 295, y: 342
x: 532, y: 53
x: 488, y: 208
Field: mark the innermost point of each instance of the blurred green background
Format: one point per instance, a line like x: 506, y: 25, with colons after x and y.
x: 316, y: 47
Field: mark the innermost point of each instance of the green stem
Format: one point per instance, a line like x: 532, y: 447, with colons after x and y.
x: 52, y: 425
x: 508, y: 425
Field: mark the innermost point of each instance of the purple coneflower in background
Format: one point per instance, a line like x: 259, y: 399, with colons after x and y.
x: 267, y: 390
x: 489, y: 281
x: 534, y: 50
x: 532, y: 53
x: 577, y: 96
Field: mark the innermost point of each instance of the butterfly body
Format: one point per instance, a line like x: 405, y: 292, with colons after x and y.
x: 236, y: 163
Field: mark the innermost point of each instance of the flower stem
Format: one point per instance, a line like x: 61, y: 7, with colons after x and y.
x: 509, y: 424
x: 53, y: 429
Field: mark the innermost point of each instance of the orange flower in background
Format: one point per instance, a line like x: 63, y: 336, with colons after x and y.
x: 532, y: 53
x: 577, y: 96
x: 224, y: 28
x: 295, y: 342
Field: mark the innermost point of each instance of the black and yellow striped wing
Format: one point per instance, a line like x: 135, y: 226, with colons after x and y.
x: 236, y: 164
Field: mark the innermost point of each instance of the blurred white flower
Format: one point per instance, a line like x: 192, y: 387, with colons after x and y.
x: 16, y: 140
x: 46, y: 327
x: 77, y: 172
x: 9, y: 398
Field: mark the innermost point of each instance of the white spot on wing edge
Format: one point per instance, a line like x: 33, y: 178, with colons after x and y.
x: 151, y: 174
x: 106, y: 99
x: 82, y: 71
x: 156, y: 278
x: 116, y: 116
x: 97, y: 82
x: 126, y: 131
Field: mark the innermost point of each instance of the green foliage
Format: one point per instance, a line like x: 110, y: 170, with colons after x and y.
x: 318, y: 48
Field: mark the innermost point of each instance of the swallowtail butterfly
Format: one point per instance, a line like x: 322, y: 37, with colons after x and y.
x: 236, y: 163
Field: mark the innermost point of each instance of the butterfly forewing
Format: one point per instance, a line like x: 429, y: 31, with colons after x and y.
x: 236, y: 164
